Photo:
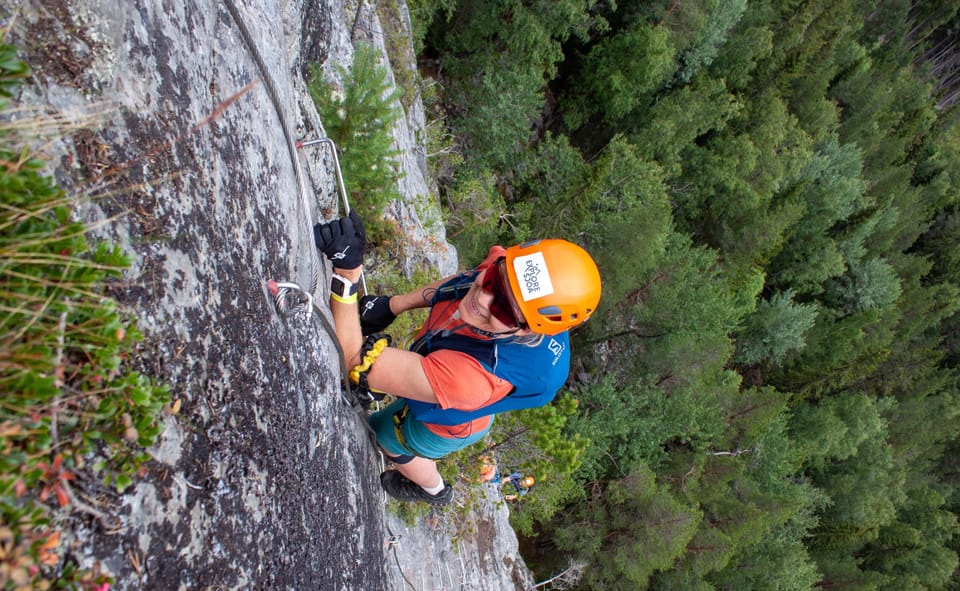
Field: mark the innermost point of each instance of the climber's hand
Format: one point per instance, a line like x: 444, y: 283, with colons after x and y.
x: 342, y: 241
x: 375, y: 313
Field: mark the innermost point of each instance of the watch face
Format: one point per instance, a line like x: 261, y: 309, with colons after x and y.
x: 342, y: 287
x: 338, y: 287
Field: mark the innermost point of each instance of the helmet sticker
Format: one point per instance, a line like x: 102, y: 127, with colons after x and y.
x: 532, y: 274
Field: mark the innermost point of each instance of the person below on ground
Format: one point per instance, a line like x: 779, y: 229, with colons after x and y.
x: 488, y: 470
x: 521, y: 485
x: 495, y: 339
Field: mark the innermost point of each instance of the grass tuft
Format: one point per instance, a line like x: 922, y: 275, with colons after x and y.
x: 74, y: 419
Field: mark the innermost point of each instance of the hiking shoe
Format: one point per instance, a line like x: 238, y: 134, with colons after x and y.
x: 400, y: 488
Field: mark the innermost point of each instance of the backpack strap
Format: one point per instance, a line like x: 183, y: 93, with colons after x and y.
x: 484, y: 351
x: 455, y: 288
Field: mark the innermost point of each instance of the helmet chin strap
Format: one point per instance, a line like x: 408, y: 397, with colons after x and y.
x: 493, y: 335
x: 484, y: 333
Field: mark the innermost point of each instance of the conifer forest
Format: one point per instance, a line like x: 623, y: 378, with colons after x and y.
x: 768, y: 396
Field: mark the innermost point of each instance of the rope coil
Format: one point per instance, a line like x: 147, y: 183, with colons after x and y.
x: 373, y: 346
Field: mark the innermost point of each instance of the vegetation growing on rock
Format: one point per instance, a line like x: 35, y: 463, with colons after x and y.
x: 74, y: 418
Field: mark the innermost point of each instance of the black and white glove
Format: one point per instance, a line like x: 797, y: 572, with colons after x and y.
x: 342, y: 241
x: 375, y: 314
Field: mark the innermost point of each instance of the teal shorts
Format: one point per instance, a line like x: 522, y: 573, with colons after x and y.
x: 420, y: 440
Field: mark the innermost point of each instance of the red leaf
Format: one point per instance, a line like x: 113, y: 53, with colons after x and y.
x: 49, y: 559
x: 62, y: 496
x: 51, y: 542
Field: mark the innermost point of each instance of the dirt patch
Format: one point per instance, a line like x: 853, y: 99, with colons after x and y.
x: 60, y: 47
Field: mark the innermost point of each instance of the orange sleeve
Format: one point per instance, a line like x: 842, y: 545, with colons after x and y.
x: 460, y: 382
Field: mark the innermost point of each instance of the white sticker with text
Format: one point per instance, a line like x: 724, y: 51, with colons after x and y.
x: 532, y: 275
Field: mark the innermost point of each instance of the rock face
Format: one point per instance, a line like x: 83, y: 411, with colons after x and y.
x: 265, y: 478
x: 476, y: 553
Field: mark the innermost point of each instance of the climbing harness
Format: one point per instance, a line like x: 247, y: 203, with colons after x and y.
x: 289, y: 297
x: 398, y: 418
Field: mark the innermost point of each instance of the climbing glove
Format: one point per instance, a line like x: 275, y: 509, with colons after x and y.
x: 342, y: 241
x: 375, y: 313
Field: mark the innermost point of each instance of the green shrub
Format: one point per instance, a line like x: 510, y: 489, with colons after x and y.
x: 12, y: 72
x: 476, y: 217
x: 73, y: 416
x: 535, y: 442
x: 359, y: 119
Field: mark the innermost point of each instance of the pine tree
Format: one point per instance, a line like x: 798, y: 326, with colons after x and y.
x: 776, y: 328
x: 630, y: 531
x: 360, y: 120
x: 867, y: 285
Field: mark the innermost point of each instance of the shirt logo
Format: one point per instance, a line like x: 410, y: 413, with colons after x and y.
x: 556, y: 347
x: 533, y: 276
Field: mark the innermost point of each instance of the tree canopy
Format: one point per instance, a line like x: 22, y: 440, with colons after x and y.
x: 770, y: 189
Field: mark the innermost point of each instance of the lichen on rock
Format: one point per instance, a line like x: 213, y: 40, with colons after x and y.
x: 264, y: 478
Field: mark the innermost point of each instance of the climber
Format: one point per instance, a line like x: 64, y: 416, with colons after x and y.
x: 495, y: 339
x: 521, y: 485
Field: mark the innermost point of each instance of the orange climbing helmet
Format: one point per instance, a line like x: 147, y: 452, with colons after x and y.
x: 555, y: 284
x: 527, y: 482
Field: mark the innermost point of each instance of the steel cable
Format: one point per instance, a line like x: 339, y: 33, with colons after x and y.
x: 282, y: 297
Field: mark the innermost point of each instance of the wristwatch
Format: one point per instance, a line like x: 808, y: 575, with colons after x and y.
x: 342, y: 288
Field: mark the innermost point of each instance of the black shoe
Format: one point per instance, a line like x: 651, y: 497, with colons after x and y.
x: 399, y: 487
